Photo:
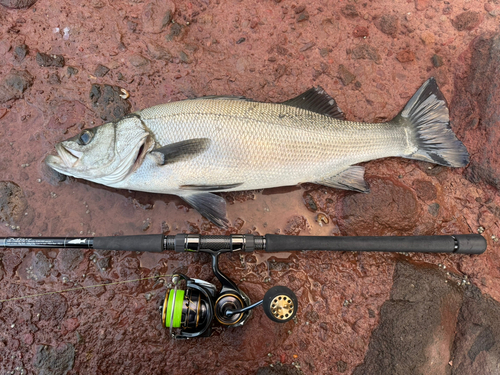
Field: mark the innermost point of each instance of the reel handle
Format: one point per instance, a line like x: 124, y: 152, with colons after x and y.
x: 279, y: 303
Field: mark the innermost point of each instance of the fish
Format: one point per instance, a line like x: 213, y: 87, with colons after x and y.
x: 194, y: 148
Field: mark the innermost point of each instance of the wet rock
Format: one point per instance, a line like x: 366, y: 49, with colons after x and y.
x: 425, y: 190
x: 46, y: 60
x: 14, y: 85
x: 2, y: 272
x: 389, y: 209
x: 72, y: 71
x: 157, y: 52
x: 70, y: 259
x: 13, y: 203
x: 94, y: 287
x: 157, y: 15
x: 437, y: 61
x: 51, y: 307
x: 108, y: 103
x: 54, y: 361
x: 138, y: 60
x: 421, y: 4
x: 477, y: 348
x: 299, y: 9
x: 17, y: 4
x: 388, y: 24
x: 101, y: 70
x: 345, y: 75
x: 366, y: 52
x: 20, y: 52
x: 434, y: 209
x: 310, y: 203
x: 295, y: 225
x: 417, y: 325
x: 349, y: 11
x: 476, y: 114
x: 54, y: 79
x: 41, y: 267
x: 360, y: 32
x: 405, y: 56
x: 467, y: 20
x: 304, y: 16
x: 279, y: 369
x: 104, y: 264
x: 176, y: 31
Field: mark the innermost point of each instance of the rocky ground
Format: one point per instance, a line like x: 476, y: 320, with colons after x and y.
x: 68, y: 65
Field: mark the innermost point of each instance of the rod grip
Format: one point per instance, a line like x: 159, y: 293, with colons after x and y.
x: 462, y: 244
x: 148, y: 243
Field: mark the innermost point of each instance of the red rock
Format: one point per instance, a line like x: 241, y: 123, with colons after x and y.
x: 467, y: 20
x: 476, y: 109
x: 388, y: 24
x: 360, y: 32
x: 421, y: 4
x: 389, y: 209
x: 405, y: 56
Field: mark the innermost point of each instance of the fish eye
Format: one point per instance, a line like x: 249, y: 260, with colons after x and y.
x: 85, y: 137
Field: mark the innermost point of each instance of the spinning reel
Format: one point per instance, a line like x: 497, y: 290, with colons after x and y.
x: 192, y: 307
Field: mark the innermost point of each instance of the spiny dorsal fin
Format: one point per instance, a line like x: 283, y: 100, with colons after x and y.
x: 317, y: 100
x: 182, y: 150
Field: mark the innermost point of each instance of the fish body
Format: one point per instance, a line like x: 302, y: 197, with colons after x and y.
x: 193, y: 148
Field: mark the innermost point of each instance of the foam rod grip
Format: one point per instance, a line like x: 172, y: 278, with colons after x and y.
x: 462, y: 244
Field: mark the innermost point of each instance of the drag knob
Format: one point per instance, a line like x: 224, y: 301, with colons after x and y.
x: 280, y: 304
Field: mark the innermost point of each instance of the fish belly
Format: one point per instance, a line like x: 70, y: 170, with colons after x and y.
x: 258, y: 145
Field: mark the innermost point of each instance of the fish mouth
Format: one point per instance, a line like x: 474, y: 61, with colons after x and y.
x: 66, y: 158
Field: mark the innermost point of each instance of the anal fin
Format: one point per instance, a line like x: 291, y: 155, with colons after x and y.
x: 351, y: 178
x: 209, y: 205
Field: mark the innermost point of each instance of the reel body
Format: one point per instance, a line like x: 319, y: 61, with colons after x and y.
x: 190, y: 310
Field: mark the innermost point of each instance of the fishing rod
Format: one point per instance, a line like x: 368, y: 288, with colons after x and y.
x: 192, y: 307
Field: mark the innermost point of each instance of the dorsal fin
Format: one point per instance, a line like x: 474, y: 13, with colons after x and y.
x: 317, y: 100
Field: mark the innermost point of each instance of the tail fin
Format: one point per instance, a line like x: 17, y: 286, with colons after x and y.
x: 426, y: 118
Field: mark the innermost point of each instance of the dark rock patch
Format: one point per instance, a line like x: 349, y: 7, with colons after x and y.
x: 46, y: 60
x: 14, y: 85
x: 13, y: 202
x: 51, y: 307
x: 476, y: 114
x: 467, y: 21
x: 54, y: 361
x: 345, y: 75
x: 366, y: 52
x: 17, y: 4
x: 388, y: 24
x: 417, y: 325
x: 390, y: 208
x: 108, y: 103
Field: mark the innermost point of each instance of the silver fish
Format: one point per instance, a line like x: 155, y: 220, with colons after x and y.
x: 193, y: 148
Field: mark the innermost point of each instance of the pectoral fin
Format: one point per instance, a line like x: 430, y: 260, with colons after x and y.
x: 351, y: 178
x: 210, y: 206
x: 182, y: 150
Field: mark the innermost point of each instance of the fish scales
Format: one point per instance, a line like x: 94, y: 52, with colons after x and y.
x: 265, y: 144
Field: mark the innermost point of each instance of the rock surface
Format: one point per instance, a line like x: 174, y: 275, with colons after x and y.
x: 434, y: 324
x: 370, y: 56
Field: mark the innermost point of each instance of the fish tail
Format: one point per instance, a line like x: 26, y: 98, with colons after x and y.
x: 426, y: 121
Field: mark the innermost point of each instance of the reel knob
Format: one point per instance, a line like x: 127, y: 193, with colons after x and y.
x: 280, y: 304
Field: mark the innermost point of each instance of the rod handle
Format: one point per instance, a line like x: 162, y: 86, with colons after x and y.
x: 461, y: 244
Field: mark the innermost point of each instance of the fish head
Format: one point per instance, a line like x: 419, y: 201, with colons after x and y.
x: 105, y: 154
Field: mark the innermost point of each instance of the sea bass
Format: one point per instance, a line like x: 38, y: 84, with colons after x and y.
x: 195, y: 147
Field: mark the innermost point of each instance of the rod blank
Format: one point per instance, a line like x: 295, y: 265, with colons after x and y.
x: 460, y: 243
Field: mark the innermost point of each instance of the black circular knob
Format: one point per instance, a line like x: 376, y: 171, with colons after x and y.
x: 280, y: 304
